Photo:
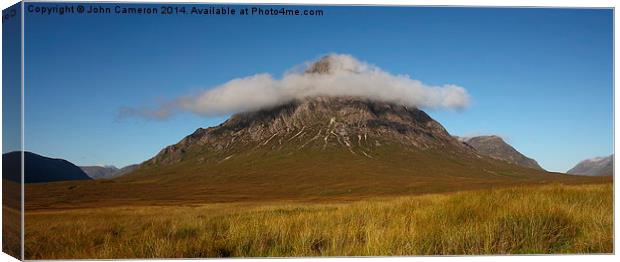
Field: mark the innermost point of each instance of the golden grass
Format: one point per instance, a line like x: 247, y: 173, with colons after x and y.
x: 11, y: 231
x: 11, y: 218
x: 532, y: 220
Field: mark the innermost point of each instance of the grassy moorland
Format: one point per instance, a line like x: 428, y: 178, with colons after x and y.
x: 524, y: 219
x: 11, y: 218
x: 11, y: 231
x: 315, y: 202
x: 289, y: 174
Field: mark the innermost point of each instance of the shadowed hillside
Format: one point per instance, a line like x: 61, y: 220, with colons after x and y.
x: 38, y: 169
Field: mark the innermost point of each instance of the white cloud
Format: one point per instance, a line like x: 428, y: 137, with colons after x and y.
x: 341, y: 75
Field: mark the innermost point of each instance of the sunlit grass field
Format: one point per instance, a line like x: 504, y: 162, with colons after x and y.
x: 11, y: 218
x: 520, y: 220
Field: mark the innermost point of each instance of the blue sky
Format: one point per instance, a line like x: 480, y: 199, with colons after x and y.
x: 11, y: 80
x: 541, y: 78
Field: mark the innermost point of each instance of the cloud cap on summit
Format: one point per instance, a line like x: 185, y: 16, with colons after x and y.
x: 333, y: 75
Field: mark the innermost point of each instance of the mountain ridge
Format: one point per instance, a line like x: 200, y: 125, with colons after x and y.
x: 598, y: 166
x: 495, y: 147
x: 107, y: 172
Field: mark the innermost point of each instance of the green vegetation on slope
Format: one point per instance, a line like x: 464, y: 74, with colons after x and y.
x: 536, y: 219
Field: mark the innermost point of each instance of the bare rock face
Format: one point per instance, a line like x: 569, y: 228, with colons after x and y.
x: 358, y: 125
x: 496, y: 147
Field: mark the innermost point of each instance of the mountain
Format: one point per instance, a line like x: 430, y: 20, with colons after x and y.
x: 496, y: 147
x: 106, y: 172
x: 326, y: 145
x: 40, y: 169
x: 308, y: 148
x: 99, y: 172
x: 358, y: 126
x: 598, y: 166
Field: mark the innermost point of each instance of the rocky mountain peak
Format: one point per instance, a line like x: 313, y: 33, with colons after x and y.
x: 356, y: 125
x: 322, y: 66
x: 335, y: 63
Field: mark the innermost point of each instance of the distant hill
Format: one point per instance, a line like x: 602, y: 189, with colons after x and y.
x: 99, y: 172
x: 598, y: 166
x: 38, y: 168
x: 125, y: 170
x: 496, y: 147
x: 106, y: 172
